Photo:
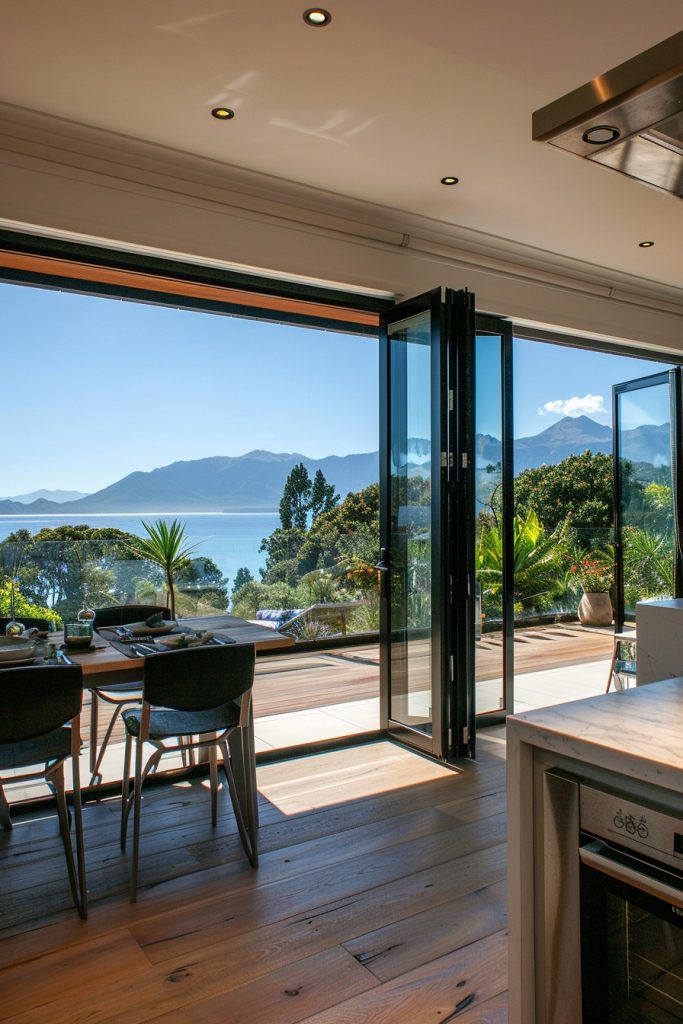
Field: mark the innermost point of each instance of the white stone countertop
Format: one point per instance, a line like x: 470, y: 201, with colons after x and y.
x: 636, y: 732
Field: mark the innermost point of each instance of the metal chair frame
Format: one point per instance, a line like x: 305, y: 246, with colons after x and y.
x: 127, y: 695
x: 247, y: 819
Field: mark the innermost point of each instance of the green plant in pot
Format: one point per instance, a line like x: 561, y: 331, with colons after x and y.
x: 594, y: 574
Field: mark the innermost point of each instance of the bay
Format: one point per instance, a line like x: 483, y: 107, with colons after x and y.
x: 230, y: 539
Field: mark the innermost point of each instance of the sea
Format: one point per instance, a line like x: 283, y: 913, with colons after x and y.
x: 231, y: 539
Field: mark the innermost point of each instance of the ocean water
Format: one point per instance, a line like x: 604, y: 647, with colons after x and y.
x: 231, y: 539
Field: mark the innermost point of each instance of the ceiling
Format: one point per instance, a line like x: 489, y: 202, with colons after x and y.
x: 378, y: 106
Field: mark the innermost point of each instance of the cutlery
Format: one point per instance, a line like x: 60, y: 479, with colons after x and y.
x: 144, y: 648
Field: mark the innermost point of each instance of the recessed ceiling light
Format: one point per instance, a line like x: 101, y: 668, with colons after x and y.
x: 600, y: 134
x: 645, y: 245
x: 449, y: 180
x: 317, y: 16
x: 223, y: 113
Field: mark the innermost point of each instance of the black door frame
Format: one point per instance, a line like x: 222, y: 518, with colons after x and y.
x: 675, y: 381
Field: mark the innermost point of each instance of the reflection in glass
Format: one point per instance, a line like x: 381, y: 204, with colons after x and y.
x: 647, y: 510
x: 410, y: 522
x: 488, y: 611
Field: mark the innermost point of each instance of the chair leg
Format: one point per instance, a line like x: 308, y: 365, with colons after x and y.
x: 5, y: 819
x: 93, y: 731
x: 95, y: 770
x: 137, y: 799
x: 245, y: 827
x: 80, y: 846
x: 611, y: 667
x: 125, y: 791
x: 213, y: 773
x: 57, y: 778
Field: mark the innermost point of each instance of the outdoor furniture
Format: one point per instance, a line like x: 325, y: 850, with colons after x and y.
x: 622, y: 669
x: 40, y: 708
x: 199, y: 696
x: 119, y: 695
x: 333, y: 614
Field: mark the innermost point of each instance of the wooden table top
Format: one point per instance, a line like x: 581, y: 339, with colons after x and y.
x: 106, y: 658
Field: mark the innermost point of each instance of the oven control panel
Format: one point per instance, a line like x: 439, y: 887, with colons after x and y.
x: 616, y: 818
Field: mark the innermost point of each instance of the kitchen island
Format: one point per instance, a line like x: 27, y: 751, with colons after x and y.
x: 627, y: 742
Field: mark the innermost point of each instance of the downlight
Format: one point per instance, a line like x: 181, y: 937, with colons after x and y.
x: 222, y: 113
x: 318, y: 17
x: 601, y: 134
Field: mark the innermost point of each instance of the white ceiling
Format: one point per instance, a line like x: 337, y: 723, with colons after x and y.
x: 378, y: 106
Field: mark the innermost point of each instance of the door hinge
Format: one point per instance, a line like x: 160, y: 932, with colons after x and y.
x: 465, y: 735
x: 447, y: 460
x: 452, y: 668
x: 465, y: 460
x: 451, y: 401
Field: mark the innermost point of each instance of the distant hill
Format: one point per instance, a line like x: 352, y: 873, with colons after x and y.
x: 58, y: 496
x: 254, y: 482
x: 573, y: 435
x: 246, y: 483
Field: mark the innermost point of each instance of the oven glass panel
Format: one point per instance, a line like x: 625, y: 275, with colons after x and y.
x: 632, y: 955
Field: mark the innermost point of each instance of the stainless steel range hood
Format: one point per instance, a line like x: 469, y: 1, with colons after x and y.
x: 630, y: 119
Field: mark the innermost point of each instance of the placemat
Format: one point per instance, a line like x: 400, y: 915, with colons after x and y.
x: 142, y: 648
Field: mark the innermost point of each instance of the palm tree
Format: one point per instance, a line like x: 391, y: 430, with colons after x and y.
x: 165, y: 546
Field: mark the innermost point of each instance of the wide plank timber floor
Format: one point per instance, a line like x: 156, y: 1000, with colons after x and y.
x: 380, y: 897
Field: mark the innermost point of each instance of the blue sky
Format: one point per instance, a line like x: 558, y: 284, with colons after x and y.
x: 101, y: 387
x: 552, y: 381
x: 96, y: 388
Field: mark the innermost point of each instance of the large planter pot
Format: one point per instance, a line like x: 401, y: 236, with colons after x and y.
x: 595, y: 609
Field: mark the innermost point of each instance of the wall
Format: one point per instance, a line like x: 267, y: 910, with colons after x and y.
x: 57, y: 177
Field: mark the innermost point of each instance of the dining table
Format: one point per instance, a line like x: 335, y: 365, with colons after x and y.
x: 104, y: 664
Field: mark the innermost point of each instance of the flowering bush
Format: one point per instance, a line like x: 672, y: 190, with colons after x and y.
x: 592, y: 573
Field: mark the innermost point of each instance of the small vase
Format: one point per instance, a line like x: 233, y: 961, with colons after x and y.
x: 595, y: 609
x: 13, y: 628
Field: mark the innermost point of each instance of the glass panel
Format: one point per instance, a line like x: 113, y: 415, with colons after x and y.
x: 410, y: 537
x: 647, y: 514
x: 488, y: 428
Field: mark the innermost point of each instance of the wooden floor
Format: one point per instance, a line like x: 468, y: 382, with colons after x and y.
x: 379, y: 898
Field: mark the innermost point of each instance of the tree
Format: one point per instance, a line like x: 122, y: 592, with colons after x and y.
x: 203, y: 579
x: 164, y: 546
x: 242, y: 576
x: 323, y: 495
x: 296, y: 499
x: 578, y: 488
x: 65, y: 567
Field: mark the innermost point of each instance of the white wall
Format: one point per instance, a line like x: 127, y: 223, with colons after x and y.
x: 85, y: 182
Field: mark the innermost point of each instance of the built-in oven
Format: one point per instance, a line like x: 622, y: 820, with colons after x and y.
x: 628, y: 880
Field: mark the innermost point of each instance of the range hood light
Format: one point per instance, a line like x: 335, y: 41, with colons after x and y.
x: 629, y: 119
x: 601, y: 134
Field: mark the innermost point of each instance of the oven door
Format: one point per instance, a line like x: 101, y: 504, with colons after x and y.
x: 631, y: 938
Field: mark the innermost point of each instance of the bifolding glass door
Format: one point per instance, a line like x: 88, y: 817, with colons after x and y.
x: 430, y: 600
x: 647, y: 491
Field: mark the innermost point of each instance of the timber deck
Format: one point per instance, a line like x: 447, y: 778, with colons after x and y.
x: 380, y: 897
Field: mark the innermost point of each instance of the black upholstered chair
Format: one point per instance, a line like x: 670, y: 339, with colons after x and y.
x: 29, y: 623
x: 118, y: 695
x: 40, y: 709
x: 197, y: 697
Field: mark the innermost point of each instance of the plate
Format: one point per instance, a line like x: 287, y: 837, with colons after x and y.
x: 141, y: 629
x: 19, y: 661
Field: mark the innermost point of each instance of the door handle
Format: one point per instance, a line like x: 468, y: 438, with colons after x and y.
x: 382, y: 566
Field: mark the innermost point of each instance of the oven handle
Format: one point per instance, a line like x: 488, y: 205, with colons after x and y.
x: 593, y: 856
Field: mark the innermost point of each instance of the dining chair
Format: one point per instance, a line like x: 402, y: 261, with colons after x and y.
x: 199, y: 697
x: 40, y: 711
x: 28, y: 623
x: 118, y: 695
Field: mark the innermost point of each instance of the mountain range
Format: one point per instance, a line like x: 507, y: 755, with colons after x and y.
x: 245, y: 483
x: 254, y: 482
x: 572, y: 435
x: 58, y: 496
